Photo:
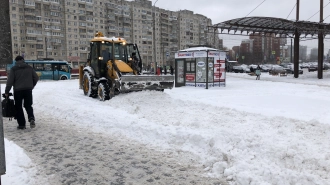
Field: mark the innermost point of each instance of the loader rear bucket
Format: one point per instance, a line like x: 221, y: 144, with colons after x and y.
x: 146, y: 82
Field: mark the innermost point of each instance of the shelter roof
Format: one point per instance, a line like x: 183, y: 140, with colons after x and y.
x: 270, y: 25
x: 198, y: 49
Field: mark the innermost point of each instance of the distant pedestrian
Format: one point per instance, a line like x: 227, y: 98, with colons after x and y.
x: 165, y: 70
x: 171, y: 70
x: 258, y: 72
x: 251, y: 69
x: 161, y: 70
x: 23, y: 78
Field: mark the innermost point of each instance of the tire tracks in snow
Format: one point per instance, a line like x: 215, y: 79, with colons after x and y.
x: 69, y: 154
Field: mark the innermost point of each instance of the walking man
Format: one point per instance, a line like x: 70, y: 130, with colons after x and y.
x: 258, y: 72
x: 23, y: 78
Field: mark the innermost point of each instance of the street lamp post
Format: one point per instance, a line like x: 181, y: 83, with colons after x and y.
x: 154, y: 36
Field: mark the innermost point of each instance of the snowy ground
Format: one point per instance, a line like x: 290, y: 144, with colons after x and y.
x: 272, y: 131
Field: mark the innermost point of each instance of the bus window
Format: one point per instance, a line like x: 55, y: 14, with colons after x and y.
x: 64, y: 68
x: 39, y: 67
x: 48, y: 67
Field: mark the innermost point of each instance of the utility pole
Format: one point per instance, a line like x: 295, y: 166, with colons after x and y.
x: 321, y: 44
x: 154, y: 37
x: 296, y: 46
x: 291, y: 52
x: 214, y: 38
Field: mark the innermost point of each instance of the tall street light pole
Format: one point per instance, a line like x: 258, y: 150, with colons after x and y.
x: 320, y: 44
x: 154, y: 36
x: 296, y: 45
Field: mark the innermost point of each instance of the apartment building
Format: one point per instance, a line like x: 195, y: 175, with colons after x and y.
x: 63, y: 29
x: 302, y: 53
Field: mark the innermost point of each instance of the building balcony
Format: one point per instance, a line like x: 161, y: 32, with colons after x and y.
x: 31, y: 41
x: 30, y: 20
x: 30, y: 13
x: 126, y: 15
x: 111, y: 17
x: 165, y: 21
x: 127, y: 24
x: 110, y: 6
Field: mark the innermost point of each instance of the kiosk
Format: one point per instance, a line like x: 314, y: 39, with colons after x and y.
x: 200, y: 67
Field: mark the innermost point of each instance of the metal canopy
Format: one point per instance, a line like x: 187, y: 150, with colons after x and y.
x: 270, y: 25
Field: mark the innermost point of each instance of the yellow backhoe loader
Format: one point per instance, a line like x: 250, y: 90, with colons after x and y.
x: 113, y: 67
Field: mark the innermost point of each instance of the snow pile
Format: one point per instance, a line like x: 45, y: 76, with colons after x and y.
x: 19, y: 167
x: 272, y: 131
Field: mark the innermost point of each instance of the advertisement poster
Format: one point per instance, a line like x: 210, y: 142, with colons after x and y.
x: 211, y: 73
x: 180, y: 78
x: 184, y: 55
x: 201, y: 70
x: 219, y: 68
x: 222, y: 70
x: 217, y: 74
x: 190, y: 77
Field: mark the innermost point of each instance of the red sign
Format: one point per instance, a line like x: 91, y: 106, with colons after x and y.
x: 217, y: 75
x: 190, y: 77
x: 220, y: 61
x: 73, y: 58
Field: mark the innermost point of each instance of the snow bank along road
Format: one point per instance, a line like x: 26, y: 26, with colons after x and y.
x: 66, y: 150
x: 246, y: 133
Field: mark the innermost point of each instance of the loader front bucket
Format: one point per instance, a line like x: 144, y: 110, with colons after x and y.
x: 146, y: 82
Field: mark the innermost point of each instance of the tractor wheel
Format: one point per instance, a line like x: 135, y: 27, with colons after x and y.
x: 103, y: 91
x: 88, y: 80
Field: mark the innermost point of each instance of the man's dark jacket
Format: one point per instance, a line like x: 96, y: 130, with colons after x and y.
x: 22, y: 77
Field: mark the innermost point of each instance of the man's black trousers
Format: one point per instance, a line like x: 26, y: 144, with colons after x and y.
x: 20, y: 97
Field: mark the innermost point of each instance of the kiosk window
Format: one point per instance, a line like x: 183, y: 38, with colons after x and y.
x: 190, y: 65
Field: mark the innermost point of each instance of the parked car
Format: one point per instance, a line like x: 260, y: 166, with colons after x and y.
x: 238, y: 69
x: 285, y: 65
x: 304, y: 65
x: 326, y: 66
x: 290, y: 69
x: 246, y: 69
x: 275, y: 70
x: 264, y: 68
x: 312, y: 67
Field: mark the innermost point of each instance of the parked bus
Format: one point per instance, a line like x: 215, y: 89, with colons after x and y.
x: 48, y: 69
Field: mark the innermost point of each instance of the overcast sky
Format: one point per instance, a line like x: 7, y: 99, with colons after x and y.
x: 222, y: 10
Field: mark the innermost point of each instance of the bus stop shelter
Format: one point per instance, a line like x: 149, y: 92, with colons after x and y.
x: 264, y: 26
x: 200, y: 67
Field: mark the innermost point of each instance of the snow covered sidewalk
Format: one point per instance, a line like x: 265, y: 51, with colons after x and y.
x: 66, y: 154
